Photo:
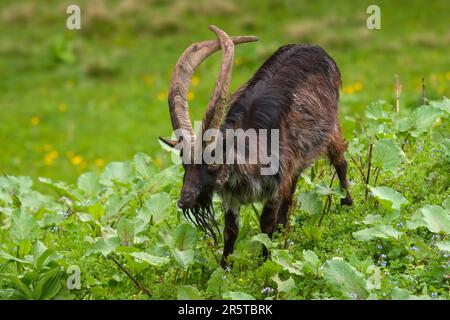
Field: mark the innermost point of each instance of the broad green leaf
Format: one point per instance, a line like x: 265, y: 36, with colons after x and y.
x: 443, y: 245
x: 23, y: 226
x: 217, y: 282
x: 48, y: 286
x: 126, y: 231
x: 425, y: 118
x: 188, y: 292
x: 144, y: 166
x: 237, y: 295
x: 61, y: 189
x: 154, y: 261
x: 446, y: 204
x: 96, y: 210
x: 264, y: 239
x: 324, y: 190
x: 374, y: 281
x: 402, y: 294
x: 9, y: 257
x: 437, y: 219
x: 184, y: 258
x: 371, y: 219
x: 311, y: 202
x: 378, y: 111
x: 185, y: 237
x: 311, y: 261
x: 105, y: 246
x: 121, y: 172
x: 286, y: 286
x: 165, y: 179
x: 379, y: 231
x: 387, y: 155
x: 343, y: 278
x: 89, y: 184
x: 22, y: 288
x: 285, y: 260
x: 388, y: 197
x: 155, y: 208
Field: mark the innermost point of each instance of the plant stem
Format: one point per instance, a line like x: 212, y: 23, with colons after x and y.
x: 136, y: 283
x: 404, y: 141
x: 424, y: 96
x: 368, y: 171
x: 358, y: 167
x: 327, y: 206
x: 398, y: 90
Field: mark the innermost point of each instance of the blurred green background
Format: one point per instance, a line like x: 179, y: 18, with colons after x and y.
x: 73, y: 100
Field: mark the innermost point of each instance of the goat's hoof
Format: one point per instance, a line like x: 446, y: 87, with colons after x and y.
x: 347, y: 201
x: 225, y: 265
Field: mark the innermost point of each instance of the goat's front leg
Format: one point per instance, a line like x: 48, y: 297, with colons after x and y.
x: 230, y: 233
x: 268, y: 221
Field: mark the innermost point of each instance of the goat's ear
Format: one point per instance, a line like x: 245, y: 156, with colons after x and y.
x: 170, y: 143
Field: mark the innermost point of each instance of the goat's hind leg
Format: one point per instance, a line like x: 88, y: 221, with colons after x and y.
x: 336, y: 150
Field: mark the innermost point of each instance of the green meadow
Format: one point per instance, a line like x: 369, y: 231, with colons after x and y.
x: 88, y: 195
x: 74, y: 100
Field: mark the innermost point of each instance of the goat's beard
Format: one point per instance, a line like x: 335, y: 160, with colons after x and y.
x: 202, y: 215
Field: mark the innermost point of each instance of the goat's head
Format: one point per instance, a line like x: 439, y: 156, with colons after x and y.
x: 200, y: 179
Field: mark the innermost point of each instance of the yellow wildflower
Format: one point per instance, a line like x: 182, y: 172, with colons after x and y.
x: 191, y: 96
x: 148, y: 80
x: 35, y: 121
x: 162, y: 95
x: 77, y: 160
x: 238, y: 61
x: 99, y: 162
x: 348, y: 90
x: 357, y: 86
x: 62, y: 107
x: 50, y: 157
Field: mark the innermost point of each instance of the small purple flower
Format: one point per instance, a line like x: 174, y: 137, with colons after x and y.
x: 379, y: 247
x: 227, y: 269
x: 383, y: 263
x: 400, y: 224
x: 414, y: 248
x: 434, y: 295
x: 383, y: 256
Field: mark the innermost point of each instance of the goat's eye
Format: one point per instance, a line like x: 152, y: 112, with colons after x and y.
x: 213, y: 167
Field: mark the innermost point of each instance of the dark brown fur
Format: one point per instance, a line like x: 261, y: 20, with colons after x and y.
x: 296, y: 91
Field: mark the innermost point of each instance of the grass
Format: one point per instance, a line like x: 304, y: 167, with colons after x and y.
x: 72, y: 101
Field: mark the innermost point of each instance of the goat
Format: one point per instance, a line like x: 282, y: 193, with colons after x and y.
x: 296, y: 92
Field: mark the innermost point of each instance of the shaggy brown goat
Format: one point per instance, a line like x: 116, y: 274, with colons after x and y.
x: 296, y: 93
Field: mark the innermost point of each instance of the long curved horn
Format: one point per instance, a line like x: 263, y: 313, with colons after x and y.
x: 191, y: 58
x: 216, y: 104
